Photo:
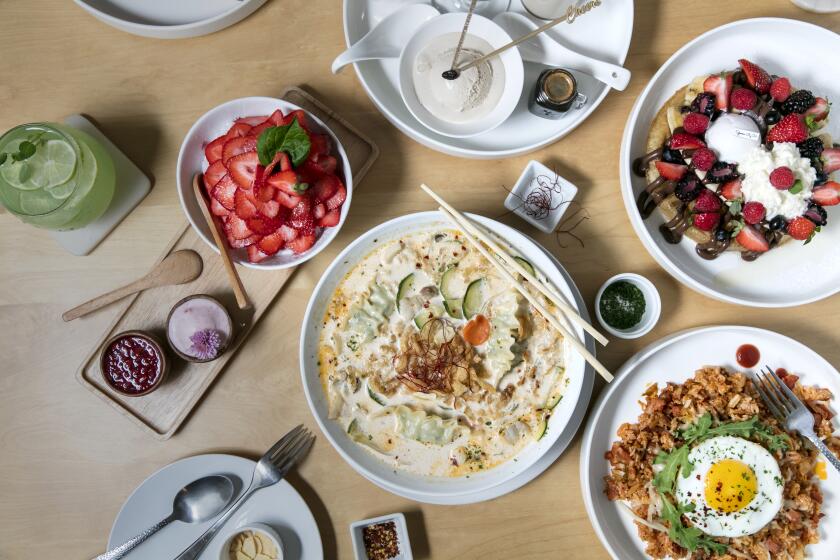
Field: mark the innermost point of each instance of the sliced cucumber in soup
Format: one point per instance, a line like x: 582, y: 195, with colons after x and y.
x: 553, y: 400
x: 453, y: 308
x: 473, y: 298
x: 406, y: 287
x: 426, y: 314
x: 376, y: 398
x: 542, y: 427
x: 526, y: 265
x: 452, y: 284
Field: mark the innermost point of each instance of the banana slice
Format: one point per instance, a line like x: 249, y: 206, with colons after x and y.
x: 675, y: 118
x: 695, y: 87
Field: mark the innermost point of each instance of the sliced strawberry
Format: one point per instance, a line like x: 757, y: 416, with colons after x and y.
x: 318, y: 211
x: 752, y: 239
x: 272, y: 243
x: 287, y: 232
x: 215, y: 172
x: 238, y: 130
x: 757, y: 77
x: 671, y: 171
x: 685, y: 141
x: 224, y: 191
x: 320, y: 145
x: 298, y: 114
x: 269, y: 209
x: 237, y: 228
x: 255, y: 255
x: 830, y: 158
x: 791, y: 128
x: 252, y: 121
x: 213, y: 150
x: 827, y: 194
x: 818, y: 111
x: 330, y: 219
x: 327, y: 186
x: 285, y: 199
x: 257, y: 130
x: 325, y: 165
x: 800, y: 228
x: 285, y: 181
x: 243, y: 169
x: 336, y: 200
x: 238, y: 145
x: 281, y: 159
x: 242, y: 243
x: 277, y: 117
x: 243, y: 205
x: 301, y: 216
x: 721, y: 86
x: 731, y: 190
x: 302, y: 244
x: 217, y: 209
x: 263, y: 225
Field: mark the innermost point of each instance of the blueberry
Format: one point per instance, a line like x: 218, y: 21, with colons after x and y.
x: 778, y: 223
x: 722, y: 236
x: 821, y: 178
x: 672, y: 156
x: 772, y: 117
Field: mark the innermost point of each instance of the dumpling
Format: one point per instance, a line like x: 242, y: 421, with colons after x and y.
x: 499, y: 356
x: 365, y: 319
x: 423, y: 427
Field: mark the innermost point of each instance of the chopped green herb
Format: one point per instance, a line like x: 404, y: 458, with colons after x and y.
x: 622, y: 305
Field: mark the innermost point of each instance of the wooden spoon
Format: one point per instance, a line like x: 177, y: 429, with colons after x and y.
x: 179, y: 267
x: 224, y: 250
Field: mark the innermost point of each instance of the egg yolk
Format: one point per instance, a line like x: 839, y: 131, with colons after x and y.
x: 730, y: 486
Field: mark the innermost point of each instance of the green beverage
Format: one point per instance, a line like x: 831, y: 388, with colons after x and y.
x: 54, y: 176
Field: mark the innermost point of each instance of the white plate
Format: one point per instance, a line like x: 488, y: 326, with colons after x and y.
x: 675, y: 358
x: 812, y: 270
x: 165, y: 19
x: 278, y: 506
x: 191, y: 160
x: 611, y: 23
x: 481, y: 486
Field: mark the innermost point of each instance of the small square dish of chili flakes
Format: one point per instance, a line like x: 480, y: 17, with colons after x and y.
x: 381, y: 538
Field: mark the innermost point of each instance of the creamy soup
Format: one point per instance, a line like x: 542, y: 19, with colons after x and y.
x: 431, y: 361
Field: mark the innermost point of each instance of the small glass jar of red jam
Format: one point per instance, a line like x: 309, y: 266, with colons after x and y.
x: 133, y: 363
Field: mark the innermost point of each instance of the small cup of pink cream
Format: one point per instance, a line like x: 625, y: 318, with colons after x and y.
x: 199, y: 328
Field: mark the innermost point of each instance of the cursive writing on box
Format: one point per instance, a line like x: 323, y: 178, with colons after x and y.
x: 575, y: 11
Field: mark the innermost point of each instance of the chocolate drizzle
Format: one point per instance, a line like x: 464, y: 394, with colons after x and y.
x: 674, y: 229
x: 653, y: 195
x: 640, y: 164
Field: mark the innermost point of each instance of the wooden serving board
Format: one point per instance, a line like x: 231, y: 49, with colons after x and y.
x: 163, y: 411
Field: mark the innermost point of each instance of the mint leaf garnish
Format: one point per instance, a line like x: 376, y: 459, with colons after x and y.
x: 3, y: 157
x: 26, y: 150
x: 290, y: 138
x: 796, y: 188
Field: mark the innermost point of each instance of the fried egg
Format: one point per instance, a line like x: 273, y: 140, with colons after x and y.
x: 735, y: 486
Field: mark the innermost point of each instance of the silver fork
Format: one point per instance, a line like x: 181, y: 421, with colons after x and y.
x: 788, y: 409
x: 270, y: 469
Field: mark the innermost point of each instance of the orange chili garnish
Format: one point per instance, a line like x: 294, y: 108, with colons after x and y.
x: 477, y: 330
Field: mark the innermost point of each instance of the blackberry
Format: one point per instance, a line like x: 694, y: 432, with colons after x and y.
x: 816, y: 214
x: 811, y: 148
x: 722, y: 235
x: 704, y: 103
x: 722, y: 172
x: 672, y: 156
x: 799, y: 101
x: 772, y: 117
x: 778, y: 223
x: 688, y: 188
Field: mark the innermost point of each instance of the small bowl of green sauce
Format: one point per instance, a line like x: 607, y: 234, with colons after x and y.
x: 628, y: 305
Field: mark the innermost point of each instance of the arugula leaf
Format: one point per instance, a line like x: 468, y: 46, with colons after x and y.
x: 675, y: 462
x: 289, y: 138
x: 690, y: 538
x: 702, y: 429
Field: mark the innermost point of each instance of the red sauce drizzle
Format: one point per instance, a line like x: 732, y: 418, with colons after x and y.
x: 747, y: 355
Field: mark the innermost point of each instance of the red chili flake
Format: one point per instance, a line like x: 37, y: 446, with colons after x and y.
x: 381, y: 541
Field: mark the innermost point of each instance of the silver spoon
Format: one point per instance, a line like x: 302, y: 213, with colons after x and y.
x: 198, y: 501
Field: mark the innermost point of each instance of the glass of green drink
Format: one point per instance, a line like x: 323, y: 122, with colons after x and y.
x: 54, y: 176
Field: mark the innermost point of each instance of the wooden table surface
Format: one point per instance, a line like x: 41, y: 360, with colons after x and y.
x: 67, y: 461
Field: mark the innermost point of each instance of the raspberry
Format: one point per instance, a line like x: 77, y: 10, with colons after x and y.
x: 743, y: 99
x: 801, y: 228
x: 753, y: 212
x: 707, y: 221
x: 703, y: 159
x: 782, y: 178
x: 696, y: 123
x: 780, y: 89
x: 707, y: 202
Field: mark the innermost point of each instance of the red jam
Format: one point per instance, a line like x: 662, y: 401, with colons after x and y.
x: 131, y: 364
x: 747, y: 355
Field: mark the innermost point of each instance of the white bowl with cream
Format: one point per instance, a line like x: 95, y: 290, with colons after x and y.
x: 481, y: 98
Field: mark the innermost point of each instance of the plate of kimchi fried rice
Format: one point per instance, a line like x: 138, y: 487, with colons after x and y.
x: 682, y: 459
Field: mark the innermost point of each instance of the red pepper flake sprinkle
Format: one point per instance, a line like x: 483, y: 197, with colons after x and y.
x: 381, y: 542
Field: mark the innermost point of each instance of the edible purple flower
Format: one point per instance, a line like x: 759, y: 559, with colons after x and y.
x: 206, y: 344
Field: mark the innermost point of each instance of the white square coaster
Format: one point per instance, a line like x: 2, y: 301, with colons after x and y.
x: 132, y: 186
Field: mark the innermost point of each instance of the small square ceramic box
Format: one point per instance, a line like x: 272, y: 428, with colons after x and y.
x: 559, y: 201
x: 402, y: 535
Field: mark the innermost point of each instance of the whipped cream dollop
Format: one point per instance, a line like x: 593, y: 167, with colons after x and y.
x: 733, y: 137
x: 756, y: 168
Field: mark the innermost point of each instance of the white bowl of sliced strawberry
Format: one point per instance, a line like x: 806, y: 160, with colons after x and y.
x: 276, y: 178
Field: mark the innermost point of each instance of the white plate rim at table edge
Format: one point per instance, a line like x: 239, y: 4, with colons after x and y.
x: 497, y: 488
x: 827, y: 375
x: 651, y: 243
x: 422, y: 135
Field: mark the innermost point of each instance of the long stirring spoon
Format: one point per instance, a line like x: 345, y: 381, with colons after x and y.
x: 452, y: 73
x: 179, y: 267
x: 198, y: 501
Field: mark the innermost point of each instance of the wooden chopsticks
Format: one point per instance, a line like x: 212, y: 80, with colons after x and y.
x: 479, y: 239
